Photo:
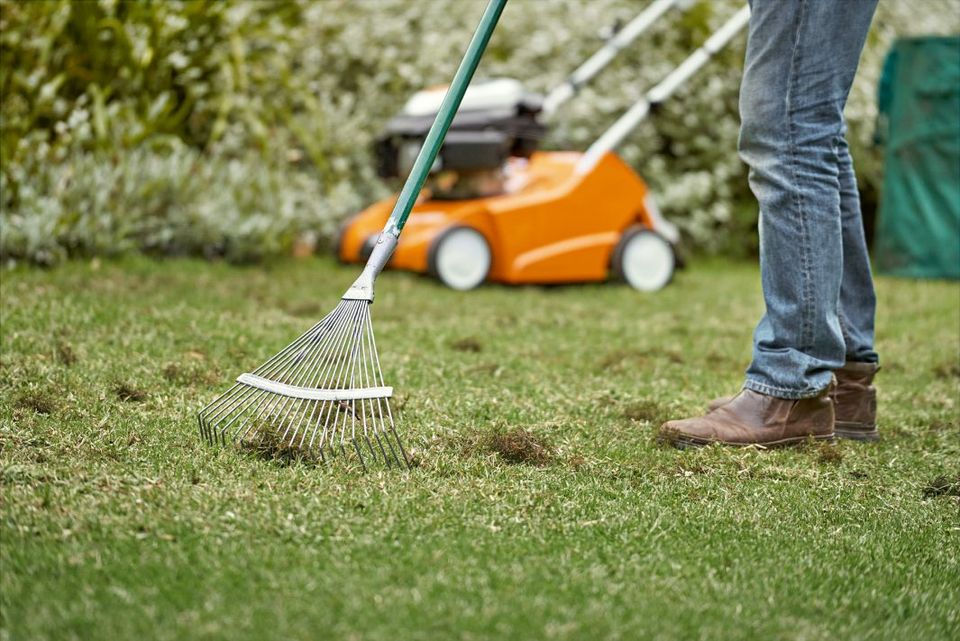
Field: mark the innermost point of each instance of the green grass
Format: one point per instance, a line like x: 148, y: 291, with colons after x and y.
x: 117, y: 523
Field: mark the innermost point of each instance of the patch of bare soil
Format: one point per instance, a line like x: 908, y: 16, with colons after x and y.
x: 38, y: 401
x: 128, y: 392
x: 946, y: 485
x: 620, y: 358
x: 829, y: 453
x: 469, y: 344
x: 66, y: 355
x: 950, y: 369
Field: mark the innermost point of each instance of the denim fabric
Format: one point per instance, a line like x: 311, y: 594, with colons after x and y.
x: 801, y: 59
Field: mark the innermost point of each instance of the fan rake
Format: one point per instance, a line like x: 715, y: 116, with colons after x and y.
x: 325, y: 391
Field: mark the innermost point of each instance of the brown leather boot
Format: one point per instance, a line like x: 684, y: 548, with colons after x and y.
x: 751, y: 418
x: 854, y: 402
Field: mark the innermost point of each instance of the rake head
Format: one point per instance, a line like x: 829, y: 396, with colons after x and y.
x: 323, y: 393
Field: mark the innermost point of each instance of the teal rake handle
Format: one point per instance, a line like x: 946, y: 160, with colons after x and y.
x: 448, y: 109
x: 362, y: 289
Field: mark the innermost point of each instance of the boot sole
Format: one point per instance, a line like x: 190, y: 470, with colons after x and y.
x: 683, y: 442
x: 856, y: 432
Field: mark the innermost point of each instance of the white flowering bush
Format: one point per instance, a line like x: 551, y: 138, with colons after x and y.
x: 179, y: 202
x: 234, y: 128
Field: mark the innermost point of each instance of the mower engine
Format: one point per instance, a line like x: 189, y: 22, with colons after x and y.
x: 497, y: 120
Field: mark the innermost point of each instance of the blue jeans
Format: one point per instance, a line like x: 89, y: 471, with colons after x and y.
x: 820, y: 304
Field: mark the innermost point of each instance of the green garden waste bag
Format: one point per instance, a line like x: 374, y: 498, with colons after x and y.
x: 918, y: 229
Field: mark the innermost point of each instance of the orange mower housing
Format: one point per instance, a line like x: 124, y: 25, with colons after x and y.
x: 551, y: 224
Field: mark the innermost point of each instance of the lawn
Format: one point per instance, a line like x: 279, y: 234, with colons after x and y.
x: 118, y: 523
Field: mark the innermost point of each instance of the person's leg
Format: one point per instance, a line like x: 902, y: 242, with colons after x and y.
x: 801, y: 59
x: 858, y: 302
x: 855, y: 399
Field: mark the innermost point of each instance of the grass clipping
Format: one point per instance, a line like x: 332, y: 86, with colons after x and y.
x: 519, y: 446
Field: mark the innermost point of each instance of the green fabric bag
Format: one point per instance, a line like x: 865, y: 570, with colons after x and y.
x: 918, y: 231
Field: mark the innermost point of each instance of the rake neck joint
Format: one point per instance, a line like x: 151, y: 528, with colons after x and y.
x: 362, y: 288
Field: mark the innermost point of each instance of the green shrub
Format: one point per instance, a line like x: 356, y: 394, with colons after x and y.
x: 230, y: 128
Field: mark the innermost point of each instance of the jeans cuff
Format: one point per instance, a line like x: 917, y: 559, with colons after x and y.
x: 780, y: 392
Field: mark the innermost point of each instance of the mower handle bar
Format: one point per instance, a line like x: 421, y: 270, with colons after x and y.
x: 595, y: 63
x: 639, y: 111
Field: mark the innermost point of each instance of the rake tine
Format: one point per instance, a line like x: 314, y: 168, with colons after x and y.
x: 265, y: 409
x: 321, y: 380
x: 303, y: 370
x: 338, y: 365
x: 267, y: 368
x: 393, y: 430
x: 357, y: 448
x: 227, y: 404
x: 369, y: 382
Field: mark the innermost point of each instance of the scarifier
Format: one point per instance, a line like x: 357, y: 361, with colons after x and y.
x: 498, y: 208
x: 325, y: 392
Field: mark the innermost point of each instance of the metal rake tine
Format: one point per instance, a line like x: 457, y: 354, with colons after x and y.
x: 203, y: 429
x: 272, y: 364
x: 354, y: 348
x: 370, y: 382
x: 379, y: 376
x: 301, y: 368
x: 319, y: 364
x: 329, y: 380
x: 263, y: 409
x: 298, y: 342
x: 365, y: 380
x: 261, y: 398
x: 341, y: 369
x: 306, y: 409
x: 385, y: 435
x: 248, y: 395
x: 357, y: 448
x: 270, y: 368
x: 396, y: 437
x: 226, y: 404
x: 355, y: 363
x: 318, y: 380
x: 314, y: 417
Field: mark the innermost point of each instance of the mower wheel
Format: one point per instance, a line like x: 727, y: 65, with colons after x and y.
x: 644, y: 259
x: 460, y: 257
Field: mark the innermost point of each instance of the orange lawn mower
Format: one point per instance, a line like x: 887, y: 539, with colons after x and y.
x: 495, y: 208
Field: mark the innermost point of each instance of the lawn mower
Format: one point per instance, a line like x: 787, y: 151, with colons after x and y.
x: 496, y: 208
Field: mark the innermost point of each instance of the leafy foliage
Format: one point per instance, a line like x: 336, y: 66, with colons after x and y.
x: 115, y: 112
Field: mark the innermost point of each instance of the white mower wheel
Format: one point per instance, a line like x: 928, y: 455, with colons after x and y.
x: 460, y: 257
x: 644, y: 259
